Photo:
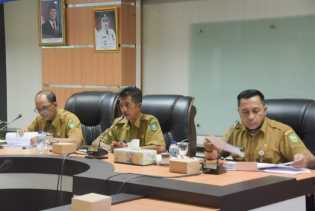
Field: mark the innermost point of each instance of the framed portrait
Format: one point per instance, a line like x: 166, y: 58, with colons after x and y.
x: 51, y: 22
x: 106, y: 29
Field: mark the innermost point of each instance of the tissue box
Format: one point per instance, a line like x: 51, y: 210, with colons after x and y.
x: 185, y: 166
x: 91, y: 202
x: 134, y: 156
x: 64, y: 148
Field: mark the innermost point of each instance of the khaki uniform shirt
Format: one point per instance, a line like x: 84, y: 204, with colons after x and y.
x: 146, y: 128
x: 64, y: 125
x: 274, y: 143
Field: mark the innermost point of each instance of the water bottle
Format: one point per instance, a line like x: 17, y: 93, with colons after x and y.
x: 173, y: 149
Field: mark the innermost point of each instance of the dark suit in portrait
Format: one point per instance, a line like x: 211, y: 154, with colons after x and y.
x: 51, y: 30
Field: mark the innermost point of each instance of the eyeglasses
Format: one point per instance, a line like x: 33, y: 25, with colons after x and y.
x: 45, y: 108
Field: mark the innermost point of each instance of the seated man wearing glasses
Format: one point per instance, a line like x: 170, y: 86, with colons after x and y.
x: 63, y: 125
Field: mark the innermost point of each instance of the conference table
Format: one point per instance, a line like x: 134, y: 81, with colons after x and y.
x: 144, y: 187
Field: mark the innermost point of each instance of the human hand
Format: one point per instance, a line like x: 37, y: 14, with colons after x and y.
x: 299, y: 161
x: 118, y: 144
x: 211, y: 151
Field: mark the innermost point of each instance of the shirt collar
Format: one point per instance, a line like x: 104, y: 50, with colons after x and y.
x: 138, y: 121
x: 136, y: 124
x: 262, y: 129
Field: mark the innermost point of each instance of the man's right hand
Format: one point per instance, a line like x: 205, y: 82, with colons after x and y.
x: 211, y: 152
x: 118, y: 144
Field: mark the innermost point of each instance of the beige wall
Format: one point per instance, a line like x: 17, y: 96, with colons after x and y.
x: 166, y: 33
x: 22, y: 58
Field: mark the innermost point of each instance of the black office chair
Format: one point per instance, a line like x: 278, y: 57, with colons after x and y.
x: 300, y: 115
x: 96, y: 111
x: 297, y: 113
x: 176, y: 115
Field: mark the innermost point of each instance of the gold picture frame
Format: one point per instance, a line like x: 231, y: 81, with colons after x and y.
x: 51, y: 22
x: 106, y: 33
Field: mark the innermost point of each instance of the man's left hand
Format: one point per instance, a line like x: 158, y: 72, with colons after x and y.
x: 299, y: 161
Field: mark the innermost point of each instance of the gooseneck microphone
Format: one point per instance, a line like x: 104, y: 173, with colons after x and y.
x: 6, y: 124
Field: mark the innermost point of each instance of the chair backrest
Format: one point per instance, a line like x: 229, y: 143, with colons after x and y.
x: 297, y: 113
x: 176, y: 115
x: 96, y: 111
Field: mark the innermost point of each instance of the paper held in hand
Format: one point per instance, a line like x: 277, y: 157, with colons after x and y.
x: 223, y: 145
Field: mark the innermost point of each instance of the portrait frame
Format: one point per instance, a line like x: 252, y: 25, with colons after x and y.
x: 51, y: 22
x: 106, y: 30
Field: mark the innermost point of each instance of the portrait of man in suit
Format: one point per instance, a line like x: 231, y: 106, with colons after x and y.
x: 51, y: 26
x: 51, y: 22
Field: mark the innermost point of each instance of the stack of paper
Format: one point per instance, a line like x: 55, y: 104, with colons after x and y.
x: 284, y: 168
x: 15, y: 140
x: 219, y: 143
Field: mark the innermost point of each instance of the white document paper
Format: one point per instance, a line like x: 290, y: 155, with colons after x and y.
x: 283, y: 168
x: 223, y: 145
x: 134, y: 144
x: 15, y: 140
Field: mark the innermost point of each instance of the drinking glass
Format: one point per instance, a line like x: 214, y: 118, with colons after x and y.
x: 182, y: 149
x: 41, y: 144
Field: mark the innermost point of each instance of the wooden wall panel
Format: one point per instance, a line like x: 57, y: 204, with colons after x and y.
x: 128, y: 66
x: 77, y: 67
x: 80, y: 26
x: 85, y: 1
x: 102, y: 69
x: 80, y: 66
x: 128, y: 23
x: 129, y: 1
x: 63, y: 94
x: 59, y: 66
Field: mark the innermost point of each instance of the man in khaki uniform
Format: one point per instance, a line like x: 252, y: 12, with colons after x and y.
x: 132, y: 125
x: 260, y: 138
x: 63, y: 125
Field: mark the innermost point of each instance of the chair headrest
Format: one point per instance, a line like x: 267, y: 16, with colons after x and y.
x: 172, y: 111
x: 93, y: 107
x: 288, y: 111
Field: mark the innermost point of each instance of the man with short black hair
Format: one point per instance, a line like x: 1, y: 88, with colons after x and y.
x: 261, y: 139
x: 63, y: 125
x: 133, y: 124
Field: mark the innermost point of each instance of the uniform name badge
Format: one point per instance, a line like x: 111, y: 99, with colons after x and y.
x: 261, y: 154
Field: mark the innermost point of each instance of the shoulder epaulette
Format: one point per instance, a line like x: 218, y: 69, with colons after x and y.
x: 147, y: 117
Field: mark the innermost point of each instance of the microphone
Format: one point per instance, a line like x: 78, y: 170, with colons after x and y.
x: 10, y: 122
